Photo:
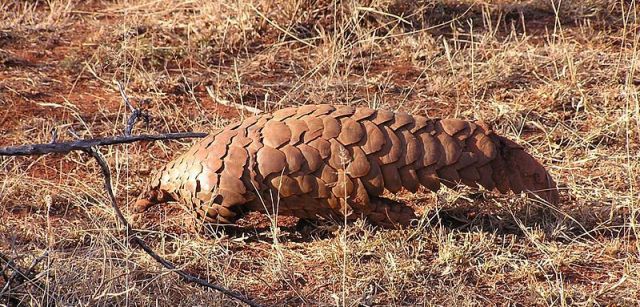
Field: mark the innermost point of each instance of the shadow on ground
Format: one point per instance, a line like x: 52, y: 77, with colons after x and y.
x: 564, y: 223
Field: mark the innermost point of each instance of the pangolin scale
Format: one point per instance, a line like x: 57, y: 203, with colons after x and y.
x: 336, y: 161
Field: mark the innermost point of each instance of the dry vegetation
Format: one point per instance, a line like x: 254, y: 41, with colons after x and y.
x: 560, y: 77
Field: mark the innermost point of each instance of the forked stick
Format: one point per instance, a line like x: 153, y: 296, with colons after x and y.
x: 106, y: 172
x: 89, y: 146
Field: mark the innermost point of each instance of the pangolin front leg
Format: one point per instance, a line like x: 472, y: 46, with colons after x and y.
x: 334, y: 162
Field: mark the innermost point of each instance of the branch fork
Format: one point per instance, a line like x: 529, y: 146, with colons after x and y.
x: 90, y: 146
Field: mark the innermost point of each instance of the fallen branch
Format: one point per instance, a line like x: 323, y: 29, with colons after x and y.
x: 85, y: 145
x: 89, y: 146
x: 186, y: 276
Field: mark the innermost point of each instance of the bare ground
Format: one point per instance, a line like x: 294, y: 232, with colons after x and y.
x: 559, y: 77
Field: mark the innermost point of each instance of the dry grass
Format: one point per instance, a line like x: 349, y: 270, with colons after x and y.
x: 560, y: 77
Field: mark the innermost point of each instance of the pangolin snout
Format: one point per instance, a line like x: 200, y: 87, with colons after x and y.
x: 150, y: 198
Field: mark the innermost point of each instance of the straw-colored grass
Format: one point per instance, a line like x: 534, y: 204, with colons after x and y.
x: 559, y: 77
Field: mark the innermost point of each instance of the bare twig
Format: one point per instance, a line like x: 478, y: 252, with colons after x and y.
x: 35, y: 263
x: 228, y: 103
x: 17, y: 272
x: 135, y: 112
x: 89, y: 146
x: 125, y: 98
x: 54, y: 135
x: 9, y: 265
x: 3, y: 272
x: 84, y: 145
x: 106, y: 172
x: 19, y: 275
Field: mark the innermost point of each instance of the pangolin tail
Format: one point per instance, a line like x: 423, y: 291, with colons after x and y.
x: 471, y: 153
x: 516, y: 170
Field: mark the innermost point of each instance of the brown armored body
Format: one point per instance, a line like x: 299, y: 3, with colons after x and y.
x: 335, y: 162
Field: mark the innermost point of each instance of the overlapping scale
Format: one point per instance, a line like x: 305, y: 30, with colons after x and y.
x: 323, y: 160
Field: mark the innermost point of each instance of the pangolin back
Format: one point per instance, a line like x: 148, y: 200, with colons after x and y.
x: 321, y: 160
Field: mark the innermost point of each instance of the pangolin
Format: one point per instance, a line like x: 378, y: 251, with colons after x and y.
x: 336, y: 162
